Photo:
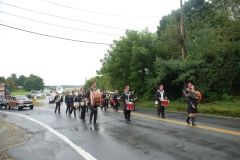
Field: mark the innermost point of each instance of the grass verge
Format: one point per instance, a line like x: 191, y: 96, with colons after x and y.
x: 223, y: 108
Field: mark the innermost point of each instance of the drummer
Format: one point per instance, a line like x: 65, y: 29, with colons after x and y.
x: 126, y: 96
x: 159, y: 96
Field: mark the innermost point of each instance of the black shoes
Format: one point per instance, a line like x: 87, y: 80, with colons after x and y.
x: 96, y: 124
x: 163, y: 117
x: 188, y: 122
x: 129, y: 119
x: 158, y: 115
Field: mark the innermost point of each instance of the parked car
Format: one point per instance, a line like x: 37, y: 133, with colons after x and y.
x: 51, y: 99
x: 3, y: 102
x: 19, y: 102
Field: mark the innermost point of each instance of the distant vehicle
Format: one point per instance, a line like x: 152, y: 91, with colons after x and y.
x: 3, y: 102
x: 39, y: 95
x: 19, y: 102
x: 51, y: 99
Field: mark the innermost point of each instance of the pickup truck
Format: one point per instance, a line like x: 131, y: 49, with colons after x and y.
x: 19, y: 102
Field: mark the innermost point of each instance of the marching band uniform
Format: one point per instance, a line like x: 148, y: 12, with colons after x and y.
x: 73, y: 99
x: 93, y: 107
x: 83, y: 108
x: 104, y: 97
x: 115, y: 98
x: 126, y: 98
x: 67, y: 101
x: 58, y: 104
x: 159, y: 96
x: 192, y: 105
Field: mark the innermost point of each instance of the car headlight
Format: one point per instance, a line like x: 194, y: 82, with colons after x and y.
x: 21, y: 102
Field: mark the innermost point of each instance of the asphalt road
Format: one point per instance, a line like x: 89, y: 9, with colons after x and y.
x: 61, y: 137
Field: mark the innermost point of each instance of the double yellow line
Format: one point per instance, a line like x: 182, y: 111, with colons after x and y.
x: 185, y: 124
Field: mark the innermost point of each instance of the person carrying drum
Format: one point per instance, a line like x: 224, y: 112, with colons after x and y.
x: 159, y: 96
x: 73, y: 98
x: 126, y: 99
x: 82, y: 98
x: 93, y: 106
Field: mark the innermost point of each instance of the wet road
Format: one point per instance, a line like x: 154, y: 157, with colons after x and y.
x: 60, y: 136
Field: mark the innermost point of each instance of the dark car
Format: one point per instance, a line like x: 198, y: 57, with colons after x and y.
x: 19, y: 102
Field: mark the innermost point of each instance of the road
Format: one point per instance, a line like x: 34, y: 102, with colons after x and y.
x: 61, y: 137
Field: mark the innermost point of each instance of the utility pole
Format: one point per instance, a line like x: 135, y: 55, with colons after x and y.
x: 182, y: 32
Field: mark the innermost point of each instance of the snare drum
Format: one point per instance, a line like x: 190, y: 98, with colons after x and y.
x: 165, y: 102
x: 76, y: 104
x: 82, y: 104
x: 130, y: 106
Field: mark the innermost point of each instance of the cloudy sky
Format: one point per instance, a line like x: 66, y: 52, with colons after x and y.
x: 60, y: 61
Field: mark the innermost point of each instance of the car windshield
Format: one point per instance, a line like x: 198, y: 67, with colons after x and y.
x: 21, y: 98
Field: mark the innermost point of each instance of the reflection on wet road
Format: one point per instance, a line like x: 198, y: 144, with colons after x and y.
x: 145, y: 137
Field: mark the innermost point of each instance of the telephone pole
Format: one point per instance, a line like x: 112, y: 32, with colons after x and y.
x: 182, y: 32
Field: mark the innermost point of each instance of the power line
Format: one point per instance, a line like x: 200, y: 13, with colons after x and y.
x: 62, y: 17
x: 107, y: 14
x: 58, y: 25
x: 22, y: 25
x: 53, y: 36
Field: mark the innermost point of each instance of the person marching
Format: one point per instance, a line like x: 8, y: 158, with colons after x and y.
x: 115, y: 98
x: 58, y: 100
x: 187, y: 90
x: 192, y: 105
x: 73, y: 98
x: 104, y: 98
x: 93, y: 107
x: 82, y: 97
x: 132, y: 99
x: 159, y: 96
x: 67, y: 102
x: 126, y: 98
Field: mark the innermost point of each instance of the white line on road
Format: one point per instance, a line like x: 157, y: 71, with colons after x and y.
x: 83, y: 153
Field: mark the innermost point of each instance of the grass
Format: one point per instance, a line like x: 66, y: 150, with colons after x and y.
x: 223, y: 108
x: 37, y: 104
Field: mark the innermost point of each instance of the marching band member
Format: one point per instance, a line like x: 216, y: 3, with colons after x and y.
x: 67, y: 102
x: 93, y: 107
x: 104, y: 98
x: 132, y: 99
x: 73, y: 99
x: 187, y: 90
x: 126, y: 98
x: 58, y: 100
x: 159, y: 96
x: 115, y: 98
x: 82, y: 97
x: 192, y: 105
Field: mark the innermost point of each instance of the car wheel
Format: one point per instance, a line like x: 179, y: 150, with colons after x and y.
x: 17, y: 107
x: 31, y: 107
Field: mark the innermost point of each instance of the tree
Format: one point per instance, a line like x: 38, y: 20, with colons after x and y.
x: 21, y: 80
x: 33, y: 82
x: 11, y: 83
x: 14, y: 77
x: 2, y: 79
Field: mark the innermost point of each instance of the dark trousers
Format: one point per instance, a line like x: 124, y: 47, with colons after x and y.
x: 68, y: 108
x: 57, y: 107
x: 105, y: 103
x: 73, y: 109
x: 83, y: 111
x: 116, y: 105
x: 93, y: 114
x: 128, y: 114
x: 160, y: 109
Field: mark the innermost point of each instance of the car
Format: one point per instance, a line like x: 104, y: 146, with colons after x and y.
x: 51, y: 99
x: 3, y: 102
x: 19, y: 102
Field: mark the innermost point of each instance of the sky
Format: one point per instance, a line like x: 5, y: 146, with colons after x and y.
x: 69, y: 62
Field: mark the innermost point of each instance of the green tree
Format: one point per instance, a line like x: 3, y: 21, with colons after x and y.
x: 11, y: 83
x: 2, y: 79
x: 33, y: 82
x: 21, y: 80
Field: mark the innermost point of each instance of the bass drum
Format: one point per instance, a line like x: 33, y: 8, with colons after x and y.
x: 199, y: 95
x: 95, y: 98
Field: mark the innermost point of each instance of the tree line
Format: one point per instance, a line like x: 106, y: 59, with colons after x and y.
x: 144, y: 60
x: 28, y: 83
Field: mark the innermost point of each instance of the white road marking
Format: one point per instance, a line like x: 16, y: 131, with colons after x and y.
x: 83, y: 153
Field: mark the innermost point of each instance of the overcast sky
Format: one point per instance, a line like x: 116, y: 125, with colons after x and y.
x: 61, y: 62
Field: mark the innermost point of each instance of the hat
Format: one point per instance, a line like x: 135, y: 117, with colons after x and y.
x: 92, y: 83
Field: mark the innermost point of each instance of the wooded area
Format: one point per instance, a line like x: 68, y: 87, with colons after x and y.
x: 212, y: 39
